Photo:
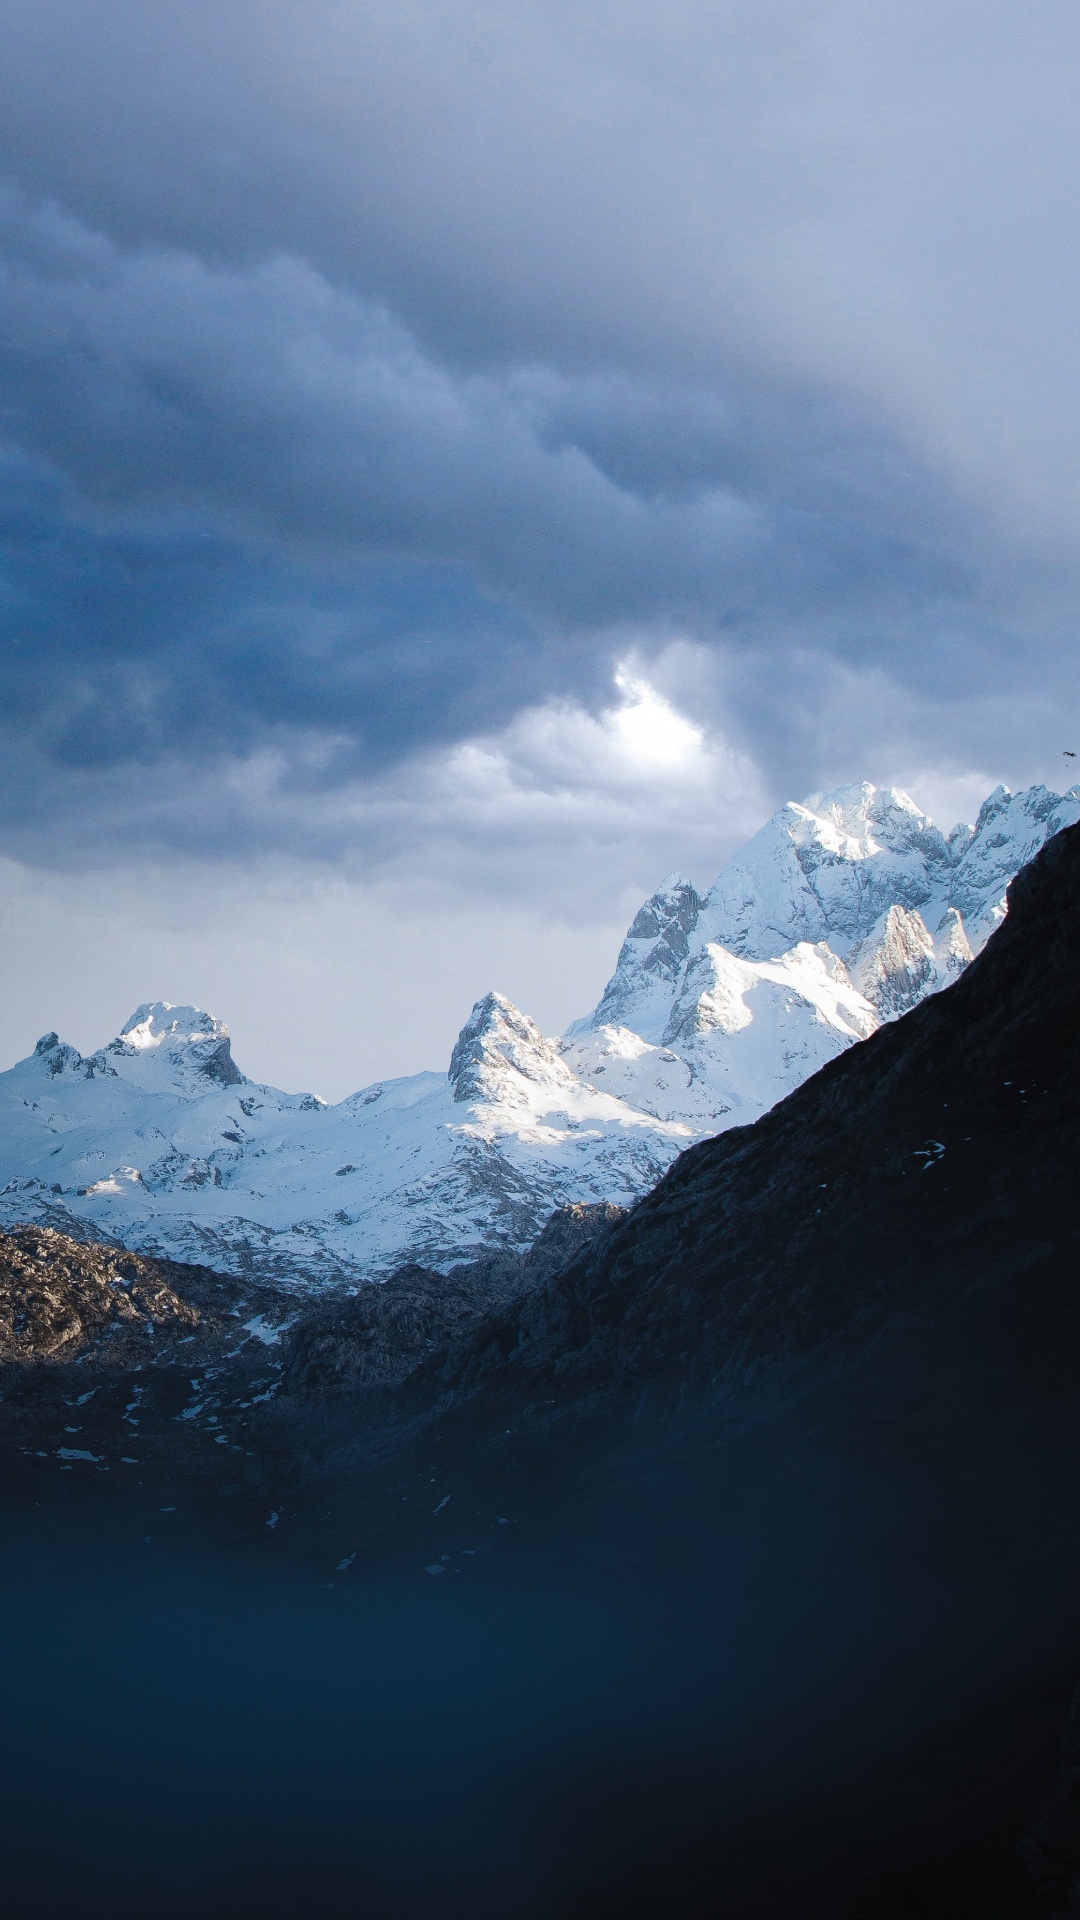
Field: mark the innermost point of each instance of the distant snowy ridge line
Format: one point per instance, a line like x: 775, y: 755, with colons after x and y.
x: 842, y: 912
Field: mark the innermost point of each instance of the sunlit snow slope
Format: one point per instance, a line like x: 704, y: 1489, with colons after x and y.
x: 839, y: 914
x: 160, y: 1142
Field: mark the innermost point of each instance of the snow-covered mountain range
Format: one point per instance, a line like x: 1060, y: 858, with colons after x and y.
x: 839, y: 914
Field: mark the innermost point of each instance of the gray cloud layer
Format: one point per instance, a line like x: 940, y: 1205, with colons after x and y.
x: 371, y: 375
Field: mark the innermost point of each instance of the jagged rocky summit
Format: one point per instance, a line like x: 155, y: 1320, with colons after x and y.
x: 839, y: 915
x: 160, y: 1143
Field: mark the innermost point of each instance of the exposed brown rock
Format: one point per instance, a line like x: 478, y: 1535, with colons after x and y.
x: 58, y: 1296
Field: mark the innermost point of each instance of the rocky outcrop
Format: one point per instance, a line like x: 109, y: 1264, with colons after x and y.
x: 497, y: 1050
x: 60, y: 1299
x: 176, y: 1361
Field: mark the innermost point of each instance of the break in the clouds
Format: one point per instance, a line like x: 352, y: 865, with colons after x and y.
x: 507, y: 448
x: 246, y: 514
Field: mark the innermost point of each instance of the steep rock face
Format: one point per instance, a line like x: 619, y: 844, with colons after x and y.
x: 651, y: 961
x: 900, y: 961
x: 380, y: 1334
x: 952, y: 948
x: 895, y: 966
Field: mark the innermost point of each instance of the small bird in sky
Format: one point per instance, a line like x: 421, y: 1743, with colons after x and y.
x: 1068, y: 752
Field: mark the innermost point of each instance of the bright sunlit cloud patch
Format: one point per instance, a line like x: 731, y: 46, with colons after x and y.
x: 655, y: 739
x: 639, y: 775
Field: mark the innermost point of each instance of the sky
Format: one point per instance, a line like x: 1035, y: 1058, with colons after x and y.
x: 461, y: 460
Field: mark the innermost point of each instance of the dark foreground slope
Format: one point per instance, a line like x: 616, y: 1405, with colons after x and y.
x: 926, y: 1181
x: 939, y: 1157
x: 824, y: 1387
x: 744, y: 1548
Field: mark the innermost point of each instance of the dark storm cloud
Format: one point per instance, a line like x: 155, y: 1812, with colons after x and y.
x: 368, y: 374
x: 243, y: 502
x: 295, y: 414
x: 126, y: 642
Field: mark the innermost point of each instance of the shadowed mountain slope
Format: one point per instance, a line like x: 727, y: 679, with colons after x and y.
x: 821, y: 1386
x: 801, y: 1434
x: 939, y: 1157
x: 815, y: 1400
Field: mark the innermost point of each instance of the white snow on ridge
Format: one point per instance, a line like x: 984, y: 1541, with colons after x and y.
x: 739, y: 1035
x: 829, y: 871
x: 241, y: 1176
x: 841, y: 913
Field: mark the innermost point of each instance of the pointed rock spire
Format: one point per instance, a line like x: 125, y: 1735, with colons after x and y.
x: 496, y: 1043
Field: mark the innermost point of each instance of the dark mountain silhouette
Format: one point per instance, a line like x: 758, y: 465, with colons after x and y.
x: 930, y: 1173
x: 808, y: 1417
x: 839, y: 1351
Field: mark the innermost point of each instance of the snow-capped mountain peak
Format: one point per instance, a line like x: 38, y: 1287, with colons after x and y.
x: 160, y: 1047
x: 651, y: 962
x: 866, y: 820
x: 162, y: 1044
x: 56, y: 1057
x: 1009, y: 830
x: 832, y: 870
x: 841, y: 913
x: 823, y: 871
x: 497, y: 1046
x: 826, y: 870
x: 157, y: 1023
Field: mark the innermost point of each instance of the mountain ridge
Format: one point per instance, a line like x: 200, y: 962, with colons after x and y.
x: 160, y: 1141
x: 672, y: 1286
